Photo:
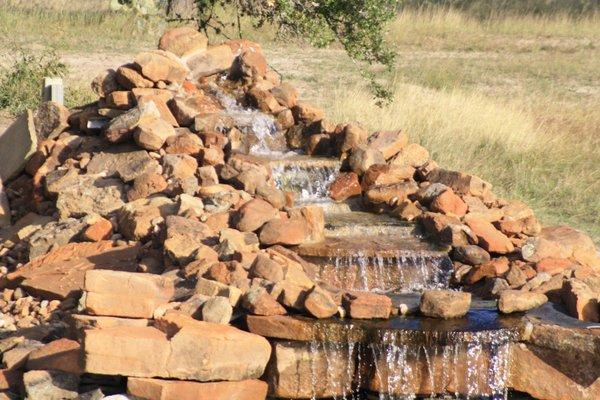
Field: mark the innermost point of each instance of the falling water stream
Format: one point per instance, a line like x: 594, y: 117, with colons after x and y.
x: 407, y: 271
x: 404, y: 358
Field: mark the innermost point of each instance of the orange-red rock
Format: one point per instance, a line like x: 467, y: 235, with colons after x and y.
x: 581, y: 301
x: 554, y: 266
x: 449, y: 203
x: 158, y: 389
x: 345, y: 185
x: 100, y: 229
x: 364, y: 305
x: 58, y: 355
x: 490, y: 238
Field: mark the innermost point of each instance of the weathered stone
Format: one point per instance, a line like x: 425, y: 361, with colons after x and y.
x: 105, y: 83
x: 471, y: 255
x: 354, y: 136
x: 60, y: 273
x: 54, y: 234
x: 51, y: 119
x: 546, y: 373
x: 306, y: 113
x: 413, y: 155
x: 157, y: 389
x: 127, y: 165
x: 183, y: 41
x: 286, y: 95
x: 315, y: 220
x: 17, y: 144
x: 91, y: 195
x: 292, y: 231
x: 445, y: 303
x: 136, y: 218
x: 364, y: 305
x: 266, y: 268
x: 516, y: 277
x: 259, y: 302
x: 250, y: 65
x: 554, y: 266
x: 232, y: 241
x: 120, y: 100
x: 212, y: 288
x: 389, y: 143
x: 497, y: 267
x: 145, y: 185
x: 120, y: 129
x: 179, y: 166
x: 129, y: 78
x: 214, y: 60
x: 461, y: 183
x: 186, y: 238
x: 160, y: 101
x: 407, y: 210
x: 151, y: 134
x: 254, y: 214
x: 50, y: 385
x: 187, y: 349
x: 184, y: 143
x: 58, y: 355
x: 207, y: 352
x: 98, y: 230
x: 320, y: 304
x: 362, y: 158
x: 390, y: 194
x: 217, y: 310
x: 518, y: 301
x: 125, y: 294
x: 161, y: 66
x: 386, y: 174
x: 581, y: 301
x: 561, y: 242
x: 345, y: 185
x: 449, y: 203
x: 297, y: 371
x: 490, y: 239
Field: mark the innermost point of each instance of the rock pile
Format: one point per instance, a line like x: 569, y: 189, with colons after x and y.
x: 140, y: 229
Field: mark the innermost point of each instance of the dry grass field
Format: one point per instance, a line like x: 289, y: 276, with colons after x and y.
x: 515, y: 99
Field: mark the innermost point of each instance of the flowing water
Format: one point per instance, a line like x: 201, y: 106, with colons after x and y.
x: 404, y: 272
x: 393, y: 360
x: 311, y: 183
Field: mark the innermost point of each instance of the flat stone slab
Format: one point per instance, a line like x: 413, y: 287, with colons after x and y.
x: 361, y: 223
x: 303, y: 161
x: 417, y: 330
x: 17, y: 144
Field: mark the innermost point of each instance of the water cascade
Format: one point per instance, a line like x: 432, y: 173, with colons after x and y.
x: 400, y: 359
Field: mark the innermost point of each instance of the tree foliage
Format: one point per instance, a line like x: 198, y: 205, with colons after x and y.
x: 358, y: 25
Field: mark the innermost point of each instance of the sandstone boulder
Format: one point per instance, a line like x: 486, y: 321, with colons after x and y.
x: 161, y: 66
x: 183, y: 41
x: 581, y: 301
x: 518, y: 301
x: 365, y: 305
x: 137, y: 219
x: 125, y: 294
x: 445, y: 303
x: 254, y: 214
x: 346, y: 185
x: 320, y: 304
x: 490, y: 239
x: 389, y: 143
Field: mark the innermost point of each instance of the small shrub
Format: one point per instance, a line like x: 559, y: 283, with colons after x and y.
x: 21, y: 80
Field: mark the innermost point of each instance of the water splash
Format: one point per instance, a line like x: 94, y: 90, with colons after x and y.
x: 404, y: 272
x: 253, y: 123
x: 472, y: 364
x: 311, y: 183
x: 405, y: 364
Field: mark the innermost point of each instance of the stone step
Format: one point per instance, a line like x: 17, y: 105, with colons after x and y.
x: 383, y: 263
x: 361, y: 223
x: 403, y: 356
